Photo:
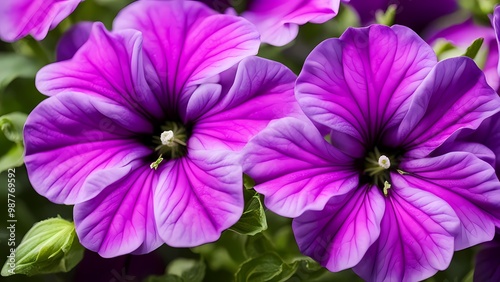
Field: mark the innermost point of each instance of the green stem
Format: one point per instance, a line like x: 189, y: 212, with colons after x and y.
x: 37, y: 50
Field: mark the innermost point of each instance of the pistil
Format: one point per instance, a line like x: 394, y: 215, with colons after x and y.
x: 377, y: 167
x: 171, y: 143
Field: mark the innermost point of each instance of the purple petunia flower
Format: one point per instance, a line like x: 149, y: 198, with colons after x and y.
x: 374, y: 197
x: 18, y: 18
x: 483, y: 141
x: 143, y: 124
x: 278, y: 21
x: 463, y: 34
x: 416, y: 14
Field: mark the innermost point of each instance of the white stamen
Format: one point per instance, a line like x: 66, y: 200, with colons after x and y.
x: 167, y: 138
x: 384, y: 162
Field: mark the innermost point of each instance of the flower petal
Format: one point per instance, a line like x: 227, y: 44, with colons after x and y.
x: 71, y: 135
x: 197, y: 197
x: 35, y: 17
x: 487, y: 134
x: 479, y: 150
x: 203, y: 99
x: 278, y: 21
x: 339, y: 235
x: 361, y: 83
x: 191, y: 44
x: 496, y: 27
x: 455, y: 95
x: 470, y: 187
x: 260, y: 91
x: 108, y: 65
x: 416, y: 237
x: 296, y: 169
x: 72, y: 40
x: 120, y: 220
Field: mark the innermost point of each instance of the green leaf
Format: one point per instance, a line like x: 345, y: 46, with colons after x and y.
x: 308, y: 270
x: 14, y: 66
x: 13, y: 158
x: 387, y: 17
x: 189, y: 270
x: 257, y: 245
x: 266, y: 267
x: 479, y: 7
x: 248, y: 182
x: 253, y: 220
x: 182, y: 270
x: 12, y: 126
x: 271, y: 267
x: 474, y: 48
x: 227, y: 253
x: 164, y: 278
x: 442, y: 47
x: 50, y: 246
x: 469, y: 277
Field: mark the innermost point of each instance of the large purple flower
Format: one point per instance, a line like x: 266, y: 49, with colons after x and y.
x: 18, y: 18
x: 373, y: 197
x: 143, y: 124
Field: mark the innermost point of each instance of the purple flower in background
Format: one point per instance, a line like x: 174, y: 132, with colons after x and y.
x: 72, y: 40
x: 143, y: 125
x: 373, y: 197
x: 484, y: 141
x: 462, y: 35
x: 18, y: 18
x: 487, y: 261
x: 278, y: 21
x: 416, y: 14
